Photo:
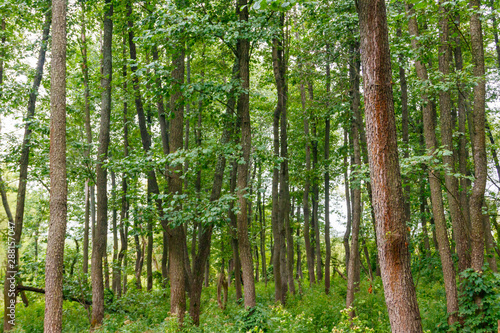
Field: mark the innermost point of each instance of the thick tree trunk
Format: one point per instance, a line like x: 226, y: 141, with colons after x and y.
x: 176, y: 235
x: 58, y: 183
x: 99, y: 242
x: 243, y: 55
x: 478, y: 139
x: 388, y: 200
x: 435, y: 185
x: 9, y: 298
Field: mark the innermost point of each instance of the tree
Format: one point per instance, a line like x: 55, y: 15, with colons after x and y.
x: 58, y: 182
x: 101, y: 230
x: 384, y: 169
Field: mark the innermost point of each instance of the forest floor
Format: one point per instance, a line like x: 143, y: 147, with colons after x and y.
x: 309, y: 311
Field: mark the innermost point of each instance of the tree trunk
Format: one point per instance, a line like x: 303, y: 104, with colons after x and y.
x: 478, y: 139
x: 243, y: 55
x: 176, y: 235
x: 99, y: 242
x: 347, y: 233
x: 435, y: 185
x: 307, y: 211
x: 327, y: 179
x: 11, y: 273
x: 354, y: 260
x: 280, y: 287
x: 88, y: 135
x: 388, y: 200
x: 447, y: 124
x: 58, y: 183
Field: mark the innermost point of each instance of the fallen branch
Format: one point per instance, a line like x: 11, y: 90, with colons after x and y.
x: 42, y: 291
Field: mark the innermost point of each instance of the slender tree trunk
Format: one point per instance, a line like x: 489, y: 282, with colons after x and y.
x: 124, y: 201
x: 327, y: 179
x: 489, y: 244
x: 404, y: 125
x: 354, y: 260
x: 388, y: 200
x: 115, y: 267
x: 457, y: 217
x: 99, y: 242
x: 280, y: 287
x: 88, y: 135
x: 315, y: 197
x: 243, y: 55
x: 58, y: 183
x: 435, y: 185
x: 347, y: 233
x: 478, y: 140
x: 307, y: 185
x: 11, y: 272
x: 462, y: 141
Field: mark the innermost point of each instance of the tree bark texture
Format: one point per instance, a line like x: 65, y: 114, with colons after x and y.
x: 388, y: 200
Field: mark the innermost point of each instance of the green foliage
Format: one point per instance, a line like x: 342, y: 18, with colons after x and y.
x: 479, y: 300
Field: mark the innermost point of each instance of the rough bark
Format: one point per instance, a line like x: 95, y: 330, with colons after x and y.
x: 243, y: 111
x: 99, y: 242
x: 58, y: 183
x: 176, y: 235
x: 388, y: 201
x: 478, y: 139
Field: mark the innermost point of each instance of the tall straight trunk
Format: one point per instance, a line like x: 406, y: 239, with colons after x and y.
x: 315, y: 196
x: 280, y: 287
x: 354, y: 260
x: 327, y: 179
x: 347, y: 233
x: 124, y: 201
x: 164, y: 134
x: 385, y: 177
x: 99, y: 242
x: 447, y: 125
x: 234, y: 235
x: 435, y: 185
x: 280, y: 72
x: 478, y: 140
x: 88, y: 136
x: 462, y: 141
x: 58, y: 183
x: 176, y: 235
x: 115, y: 267
x: 243, y: 108
x: 139, y: 257
x: 404, y: 125
x: 307, y: 185
x: 10, y: 275
x: 299, y: 275
x: 262, y: 224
